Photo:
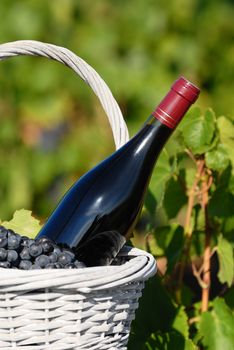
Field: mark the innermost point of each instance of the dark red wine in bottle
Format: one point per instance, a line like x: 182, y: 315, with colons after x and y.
x: 98, y: 213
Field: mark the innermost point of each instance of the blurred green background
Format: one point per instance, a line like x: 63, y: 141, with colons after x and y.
x: 52, y: 126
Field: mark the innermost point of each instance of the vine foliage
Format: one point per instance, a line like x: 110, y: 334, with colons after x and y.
x: 190, y: 231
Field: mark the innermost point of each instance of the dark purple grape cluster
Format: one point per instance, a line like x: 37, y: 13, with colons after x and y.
x: 23, y: 253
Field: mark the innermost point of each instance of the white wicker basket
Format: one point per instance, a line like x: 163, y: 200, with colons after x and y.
x: 89, y: 308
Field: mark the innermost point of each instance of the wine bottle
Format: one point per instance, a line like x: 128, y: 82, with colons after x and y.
x: 98, y: 213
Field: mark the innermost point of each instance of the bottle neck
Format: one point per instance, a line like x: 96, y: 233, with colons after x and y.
x: 150, y: 140
x: 160, y: 131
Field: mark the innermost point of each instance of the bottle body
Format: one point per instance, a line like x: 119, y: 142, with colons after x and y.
x: 97, y: 215
x: 108, y: 198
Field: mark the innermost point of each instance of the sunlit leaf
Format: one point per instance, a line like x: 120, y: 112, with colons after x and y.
x: 216, y: 327
x: 198, y: 130
x: 226, y: 262
x: 160, y: 176
x: 169, y: 241
x: 180, y: 323
x: 217, y: 159
x: 175, y: 197
x: 169, y: 341
x: 226, y: 130
x: 23, y: 223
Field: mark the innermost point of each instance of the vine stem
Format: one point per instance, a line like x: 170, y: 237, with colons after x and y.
x: 207, y: 252
x: 187, y: 225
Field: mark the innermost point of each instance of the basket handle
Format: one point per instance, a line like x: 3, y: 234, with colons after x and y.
x: 83, y: 69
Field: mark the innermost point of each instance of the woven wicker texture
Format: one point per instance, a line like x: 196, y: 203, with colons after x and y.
x: 89, y: 308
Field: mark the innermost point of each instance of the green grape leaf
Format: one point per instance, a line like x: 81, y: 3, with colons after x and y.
x: 150, y: 203
x: 199, y: 130
x: 156, y: 312
x: 180, y: 323
x: 228, y: 228
x: 160, y: 176
x: 217, y: 159
x: 216, y: 327
x: 226, y: 262
x: 222, y: 200
x: 226, y: 131
x: 197, y: 243
x: 221, y: 203
x: 23, y: 223
x: 231, y: 184
x: 169, y: 241
x: 175, y: 197
x: 169, y: 341
x: 229, y: 298
x: 187, y: 296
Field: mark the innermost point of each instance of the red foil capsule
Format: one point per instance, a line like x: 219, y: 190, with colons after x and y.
x: 176, y: 103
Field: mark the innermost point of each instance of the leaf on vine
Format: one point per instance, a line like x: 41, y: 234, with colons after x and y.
x: 216, y: 327
x: 23, y: 223
x: 175, y: 197
x: 159, y: 323
x: 229, y: 298
x: 197, y: 243
x: 198, y: 130
x: 228, y: 228
x: 231, y: 184
x: 180, y: 323
x: 226, y: 262
x: 217, y: 159
x: 150, y: 203
x: 160, y: 177
x: 222, y: 201
x: 170, y: 240
x: 156, y: 312
x: 226, y: 131
x: 169, y: 341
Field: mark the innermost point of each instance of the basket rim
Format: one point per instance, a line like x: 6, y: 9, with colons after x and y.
x: 140, y: 267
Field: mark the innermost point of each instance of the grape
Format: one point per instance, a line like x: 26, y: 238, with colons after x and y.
x: 42, y: 260
x: 3, y: 230
x: 70, y: 266
x: 3, y: 242
x: 50, y: 266
x: 64, y: 258
x: 53, y: 257
x: 24, y: 255
x: 35, y: 267
x: 35, y: 249
x: 79, y: 264
x: 3, y: 254
x: 13, y: 240
x: 71, y: 254
x: 3, y: 234
x: 25, y: 265
x: 43, y: 239
x: 57, y: 250
x: 28, y: 242
x: 28, y: 254
x: 47, y: 246
x: 25, y: 240
x: 5, y: 264
x: 10, y: 232
x: 58, y: 265
x: 12, y: 255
